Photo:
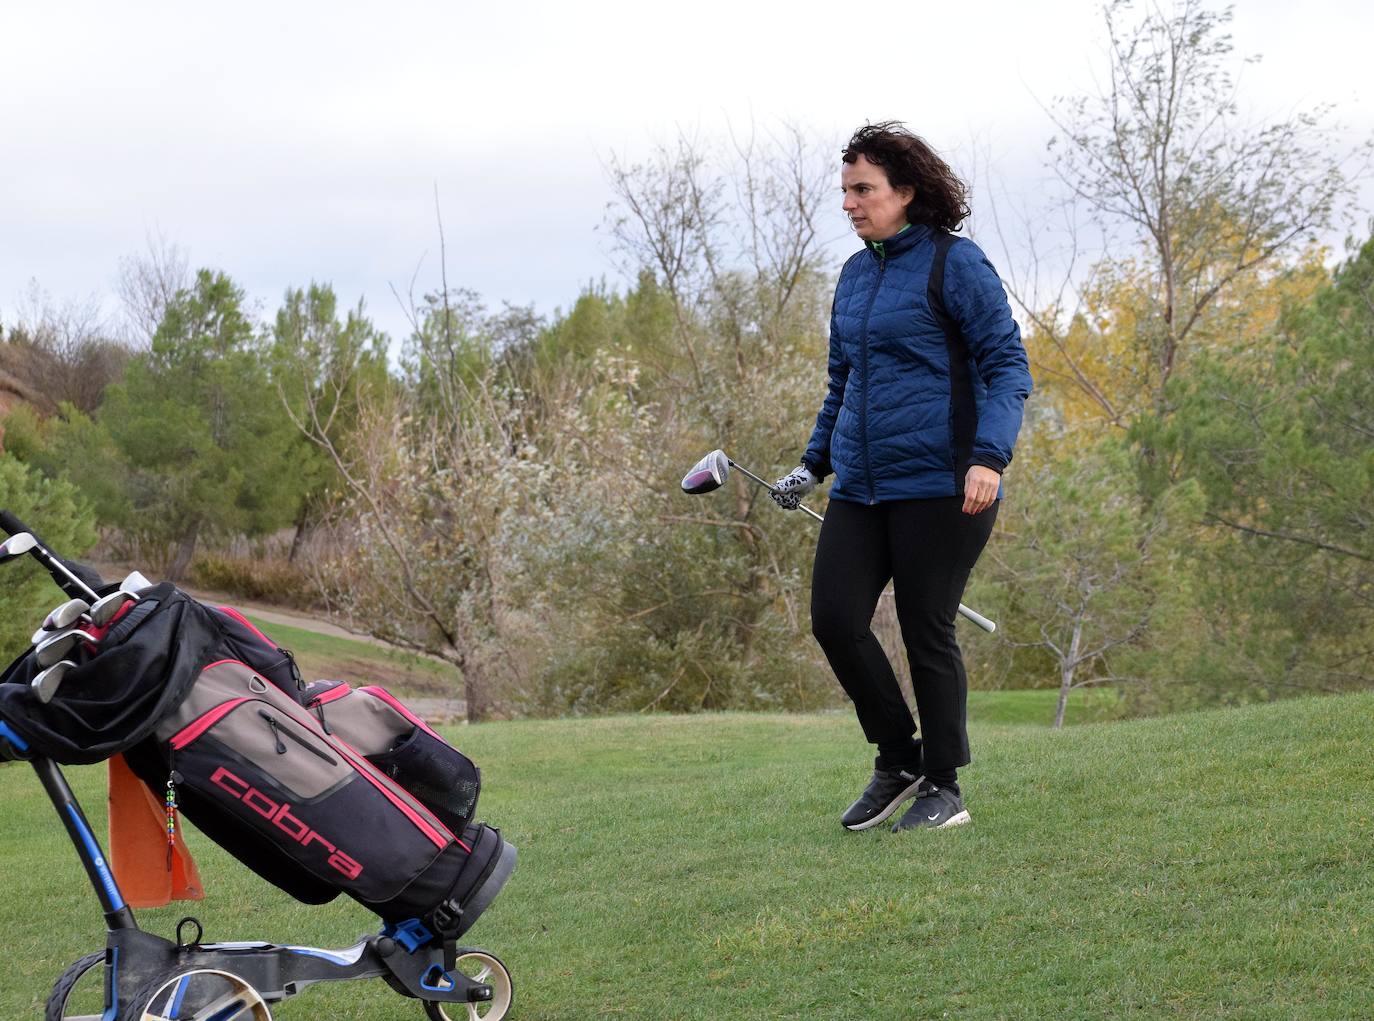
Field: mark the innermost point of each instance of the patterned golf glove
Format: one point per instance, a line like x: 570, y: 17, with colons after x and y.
x: 788, y: 490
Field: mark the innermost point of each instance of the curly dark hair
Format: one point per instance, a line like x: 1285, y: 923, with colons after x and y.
x: 908, y: 160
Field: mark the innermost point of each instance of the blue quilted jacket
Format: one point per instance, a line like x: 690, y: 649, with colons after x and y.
x: 915, y: 398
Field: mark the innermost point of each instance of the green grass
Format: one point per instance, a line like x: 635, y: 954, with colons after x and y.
x: 1036, y: 707
x: 329, y: 656
x: 1210, y: 865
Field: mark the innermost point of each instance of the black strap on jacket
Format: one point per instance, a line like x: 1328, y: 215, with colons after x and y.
x: 963, y: 409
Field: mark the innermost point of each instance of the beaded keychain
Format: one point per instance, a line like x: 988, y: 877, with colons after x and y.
x: 170, y: 800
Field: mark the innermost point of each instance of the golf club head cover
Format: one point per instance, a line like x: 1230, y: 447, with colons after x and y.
x: 788, y: 490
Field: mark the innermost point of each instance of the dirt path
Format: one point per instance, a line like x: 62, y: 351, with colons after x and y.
x: 291, y: 618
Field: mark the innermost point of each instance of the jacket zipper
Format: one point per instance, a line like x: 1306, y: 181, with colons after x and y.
x: 863, y: 414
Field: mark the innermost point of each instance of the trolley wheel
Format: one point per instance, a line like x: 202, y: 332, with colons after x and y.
x: 201, y: 994
x: 79, y: 993
x: 480, y: 967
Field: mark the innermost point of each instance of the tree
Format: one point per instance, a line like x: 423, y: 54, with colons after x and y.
x: 430, y: 475
x: 205, y: 442
x: 1083, y: 569
x: 1209, y: 224
x: 323, y: 369
x: 1285, y: 452
x: 697, y: 604
x: 147, y: 284
x: 56, y: 354
x: 56, y: 509
x: 1173, y: 175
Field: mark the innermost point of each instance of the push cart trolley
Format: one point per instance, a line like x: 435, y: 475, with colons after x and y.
x: 143, y: 977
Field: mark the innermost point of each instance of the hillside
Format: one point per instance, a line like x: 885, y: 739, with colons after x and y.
x: 1209, y: 865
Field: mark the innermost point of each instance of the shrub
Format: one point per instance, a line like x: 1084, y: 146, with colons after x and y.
x: 268, y: 581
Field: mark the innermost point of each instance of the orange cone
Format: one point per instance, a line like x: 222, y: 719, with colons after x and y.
x: 138, y: 845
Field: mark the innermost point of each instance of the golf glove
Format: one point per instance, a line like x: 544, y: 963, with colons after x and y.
x: 788, y: 490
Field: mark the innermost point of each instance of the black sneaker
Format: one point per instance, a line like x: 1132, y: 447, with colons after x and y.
x: 880, y: 799
x: 934, y: 808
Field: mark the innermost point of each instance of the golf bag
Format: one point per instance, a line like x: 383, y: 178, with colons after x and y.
x: 320, y: 790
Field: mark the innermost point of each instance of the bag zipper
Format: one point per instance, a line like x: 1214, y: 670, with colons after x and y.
x: 318, y: 702
x: 290, y: 656
x: 278, y: 730
x: 411, y: 807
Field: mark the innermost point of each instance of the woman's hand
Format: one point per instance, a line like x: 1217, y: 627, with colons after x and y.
x: 788, y: 490
x: 980, y: 488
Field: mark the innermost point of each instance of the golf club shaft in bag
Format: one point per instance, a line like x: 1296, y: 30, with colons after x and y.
x: 710, y: 473
x: 23, y: 540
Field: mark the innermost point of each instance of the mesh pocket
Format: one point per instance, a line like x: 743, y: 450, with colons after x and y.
x: 441, y: 776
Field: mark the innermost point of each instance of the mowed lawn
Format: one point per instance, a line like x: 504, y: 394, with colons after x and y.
x: 1209, y: 865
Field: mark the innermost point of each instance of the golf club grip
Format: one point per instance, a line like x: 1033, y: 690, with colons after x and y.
x: 977, y: 618
x: 11, y: 524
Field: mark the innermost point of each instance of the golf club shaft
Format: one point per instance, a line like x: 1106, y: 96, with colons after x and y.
x: 964, y: 611
x: 769, y: 486
x: 66, y: 580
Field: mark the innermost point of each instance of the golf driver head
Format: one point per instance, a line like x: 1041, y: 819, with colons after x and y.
x: 708, y: 474
x: 17, y: 545
x: 45, y: 684
x: 65, y: 616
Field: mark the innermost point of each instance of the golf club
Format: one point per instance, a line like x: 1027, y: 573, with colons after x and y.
x: 56, y: 647
x: 22, y: 541
x: 17, y: 545
x: 104, y: 609
x: 64, y: 616
x: 135, y: 582
x: 710, y: 473
x: 44, y: 634
x: 45, y: 684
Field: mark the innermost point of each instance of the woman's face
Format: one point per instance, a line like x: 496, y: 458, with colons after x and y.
x: 876, y: 210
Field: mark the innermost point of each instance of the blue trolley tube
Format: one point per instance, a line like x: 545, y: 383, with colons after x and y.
x: 118, y: 915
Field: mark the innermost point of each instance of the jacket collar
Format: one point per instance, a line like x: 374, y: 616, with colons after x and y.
x: 901, y: 242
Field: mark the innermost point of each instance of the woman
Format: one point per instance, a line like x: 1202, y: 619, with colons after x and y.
x: 927, y: 381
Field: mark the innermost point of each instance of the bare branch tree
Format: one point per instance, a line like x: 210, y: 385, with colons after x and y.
x: 147, y: 283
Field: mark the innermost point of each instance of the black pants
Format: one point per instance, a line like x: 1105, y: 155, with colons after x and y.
x: 927, y: 549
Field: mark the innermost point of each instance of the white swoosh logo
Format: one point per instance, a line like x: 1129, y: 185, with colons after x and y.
x: 932, y: 818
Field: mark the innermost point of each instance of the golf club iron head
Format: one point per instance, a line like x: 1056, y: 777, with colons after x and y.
x: 17, y: 545
x: 56, y: 648
x: 708, y: 474
x: 107, y: 608
x: 134, y: 583
x: 45, y: 684
x: 65, y: 615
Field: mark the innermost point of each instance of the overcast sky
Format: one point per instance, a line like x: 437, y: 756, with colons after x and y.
x: 289, y: 141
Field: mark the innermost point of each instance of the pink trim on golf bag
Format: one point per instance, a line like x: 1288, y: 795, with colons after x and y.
x: 401, y: 745
x: 332, y: 695
x: 188, y: 734
x: 391, y: 700
x: 246, y: 623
